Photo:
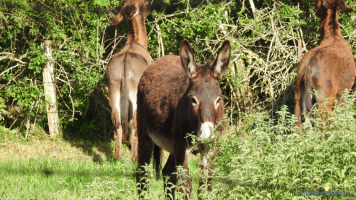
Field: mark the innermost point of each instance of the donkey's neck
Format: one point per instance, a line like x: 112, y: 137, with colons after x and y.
x: 329, y: 24
x: 137, y: 31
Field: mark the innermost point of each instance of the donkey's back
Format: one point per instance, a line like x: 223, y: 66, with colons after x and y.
x: 134, y: 57
x: 163, y: 85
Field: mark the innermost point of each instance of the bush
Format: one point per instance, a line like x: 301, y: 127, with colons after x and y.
x: 81, y: 41
x: 262, y: 161
x: 267, y: 46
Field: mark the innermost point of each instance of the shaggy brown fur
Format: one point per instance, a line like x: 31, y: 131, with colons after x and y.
x: 177, y: 97
x: 124, y: 72
x: 328, y: 68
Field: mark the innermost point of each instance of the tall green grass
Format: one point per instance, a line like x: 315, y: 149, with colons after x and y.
x: 269, y: 159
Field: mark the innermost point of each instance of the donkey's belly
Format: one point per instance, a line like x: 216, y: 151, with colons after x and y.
x: 163, y: 142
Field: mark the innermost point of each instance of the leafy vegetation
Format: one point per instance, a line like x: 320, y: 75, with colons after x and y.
x: 262, y: 161
x: 268, y: 43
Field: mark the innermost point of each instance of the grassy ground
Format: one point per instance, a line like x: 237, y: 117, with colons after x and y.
x: 41, y: 168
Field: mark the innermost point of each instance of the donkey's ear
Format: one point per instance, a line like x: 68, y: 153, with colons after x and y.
x: 130, y: 11
x: 222, y: 61
x: 118, y: 19
x: 344, y: 7
x: 187, y: 59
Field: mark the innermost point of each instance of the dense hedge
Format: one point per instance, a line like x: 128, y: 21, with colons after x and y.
x: 268, y: 43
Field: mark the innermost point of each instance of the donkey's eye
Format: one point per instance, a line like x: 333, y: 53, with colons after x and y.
x: 218, y: 101
x: 194, y: 101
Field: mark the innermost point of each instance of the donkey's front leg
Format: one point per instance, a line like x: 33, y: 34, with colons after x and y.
x: 205, y: 179
x: 185, y: 183
x: 169, y: 173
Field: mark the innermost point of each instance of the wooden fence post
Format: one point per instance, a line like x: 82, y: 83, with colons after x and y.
x: 253, y: 8
x: 50, y: 91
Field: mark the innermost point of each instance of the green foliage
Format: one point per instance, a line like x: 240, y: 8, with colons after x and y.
x: 77, y: 31
x: 276, y: 160
x: 265, y: 53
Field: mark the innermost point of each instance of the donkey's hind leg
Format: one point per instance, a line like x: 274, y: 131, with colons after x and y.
x: 133, y: 137
x: 115, y: 118
x: 145, y: 149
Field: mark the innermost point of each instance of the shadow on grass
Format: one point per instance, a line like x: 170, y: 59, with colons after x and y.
x: 51, y: 167
x: 91, y: 147
x: 48, y: 172
x: 93, y: 128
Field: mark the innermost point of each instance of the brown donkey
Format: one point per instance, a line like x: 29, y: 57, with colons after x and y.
x: 124, y: 72
x: 328, y: 68
x: 176, y: 97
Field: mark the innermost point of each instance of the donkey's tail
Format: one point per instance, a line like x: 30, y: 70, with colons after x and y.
x: 307, y: 97
x: 124, y: 105
x: 157, y: 160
